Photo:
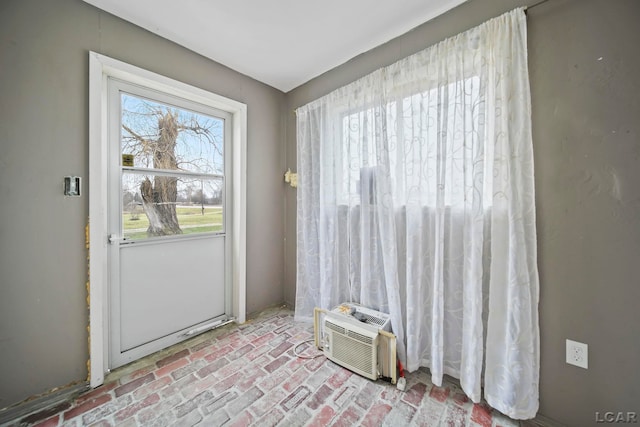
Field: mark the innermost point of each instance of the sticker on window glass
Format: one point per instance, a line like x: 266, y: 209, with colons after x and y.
x: 127, y: 160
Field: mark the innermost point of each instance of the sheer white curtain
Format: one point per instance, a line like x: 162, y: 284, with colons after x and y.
x: 416, y: 198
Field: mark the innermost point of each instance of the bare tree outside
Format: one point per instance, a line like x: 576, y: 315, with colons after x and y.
x: 167, y: 138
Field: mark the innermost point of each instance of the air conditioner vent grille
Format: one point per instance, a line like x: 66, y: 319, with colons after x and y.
x: 353, y: 353
x: 335, y: 327
x: 362, y: 338
x: 373, y: 319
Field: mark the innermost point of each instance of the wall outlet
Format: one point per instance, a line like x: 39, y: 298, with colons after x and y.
x: 578, y: 354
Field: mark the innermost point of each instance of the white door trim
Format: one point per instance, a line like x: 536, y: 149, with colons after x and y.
x: 100, y: 68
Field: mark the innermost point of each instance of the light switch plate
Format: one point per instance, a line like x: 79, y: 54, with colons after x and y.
x: 72, y: 186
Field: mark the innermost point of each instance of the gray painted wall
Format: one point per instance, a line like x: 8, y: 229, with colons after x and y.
x: 587, y: 153
x: 584, y: 67
x: 44, y: 117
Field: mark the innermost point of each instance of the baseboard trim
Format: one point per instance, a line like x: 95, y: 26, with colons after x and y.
x: 544, y: 421
x: 41, y: 403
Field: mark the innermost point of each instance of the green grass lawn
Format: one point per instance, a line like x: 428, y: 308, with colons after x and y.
x: 191, y: 220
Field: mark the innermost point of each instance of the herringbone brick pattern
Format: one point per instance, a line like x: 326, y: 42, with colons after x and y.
x: 249, y: 375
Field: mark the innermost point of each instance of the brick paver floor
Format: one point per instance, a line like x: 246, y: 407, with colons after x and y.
x: 248, y: 375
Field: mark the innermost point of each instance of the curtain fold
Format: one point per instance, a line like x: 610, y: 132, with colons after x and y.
x: 416, y: 198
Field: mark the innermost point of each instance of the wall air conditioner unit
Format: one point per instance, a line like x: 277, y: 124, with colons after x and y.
x: 359, y: 339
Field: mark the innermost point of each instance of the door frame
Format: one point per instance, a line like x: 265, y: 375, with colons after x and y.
x: 101, y: 68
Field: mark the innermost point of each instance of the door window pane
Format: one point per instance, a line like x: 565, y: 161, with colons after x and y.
x: 161, y: 136
x: 164, y: 205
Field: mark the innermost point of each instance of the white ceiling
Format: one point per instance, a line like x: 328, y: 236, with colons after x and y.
x: 283, y: 43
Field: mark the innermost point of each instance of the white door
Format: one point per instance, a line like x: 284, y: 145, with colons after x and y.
x: 168, y: 218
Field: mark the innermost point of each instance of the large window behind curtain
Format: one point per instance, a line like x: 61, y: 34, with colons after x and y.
x: 413, y: 121
x: 416, y: 198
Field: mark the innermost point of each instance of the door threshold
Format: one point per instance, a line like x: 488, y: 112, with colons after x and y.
x: 209, y: 326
